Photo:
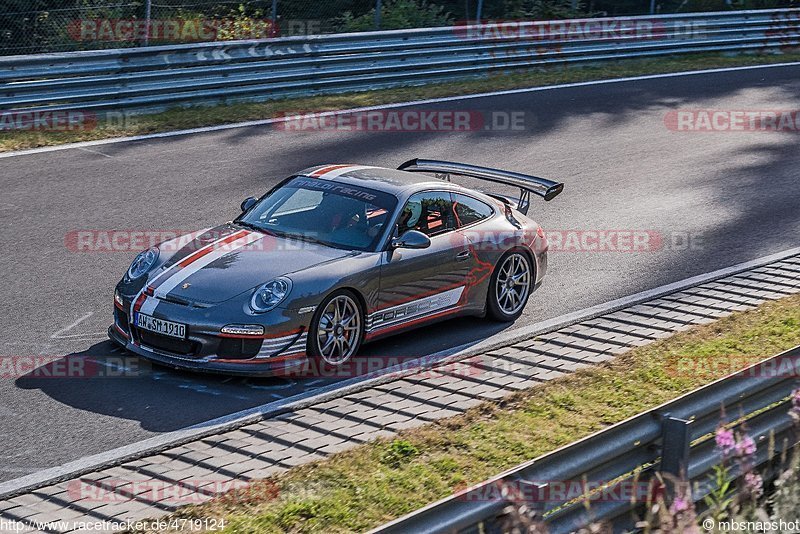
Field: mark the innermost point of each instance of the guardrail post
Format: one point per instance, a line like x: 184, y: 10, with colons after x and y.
x: 479, y: 12
x: 147, y: 16
x: 377, y: 14
x: 675, y: 446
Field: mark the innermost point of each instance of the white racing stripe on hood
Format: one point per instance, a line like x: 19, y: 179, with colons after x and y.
x: 168, y: 285
x: 150, y: 303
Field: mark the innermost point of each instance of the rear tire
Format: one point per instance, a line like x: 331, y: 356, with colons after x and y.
x: 510, y: 286
x: 337, y: 329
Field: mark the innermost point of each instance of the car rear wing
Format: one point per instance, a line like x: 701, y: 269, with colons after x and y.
x: 547, y: 189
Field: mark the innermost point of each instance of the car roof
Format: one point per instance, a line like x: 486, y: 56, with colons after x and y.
x: 380, y: 178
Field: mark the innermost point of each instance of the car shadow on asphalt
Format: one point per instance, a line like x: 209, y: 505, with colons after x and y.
x: 110, y: 381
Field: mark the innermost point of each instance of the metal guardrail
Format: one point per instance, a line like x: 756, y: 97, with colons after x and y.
x: 158, y: 77
x: 675, y: 438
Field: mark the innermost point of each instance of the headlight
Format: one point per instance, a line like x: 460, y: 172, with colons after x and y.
x: 143, y: 263
x: 269, y: 295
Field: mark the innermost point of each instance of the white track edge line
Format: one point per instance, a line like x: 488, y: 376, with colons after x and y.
x: 340, y: 389
x: 264, y: 122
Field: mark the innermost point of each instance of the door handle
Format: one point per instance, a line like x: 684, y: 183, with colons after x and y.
x: 463, y: 255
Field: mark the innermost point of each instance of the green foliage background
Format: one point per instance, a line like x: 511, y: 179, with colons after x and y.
x: 36, y: 26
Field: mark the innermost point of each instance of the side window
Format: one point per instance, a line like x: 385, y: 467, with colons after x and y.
x: 430, y: 212
x: 469, y: 210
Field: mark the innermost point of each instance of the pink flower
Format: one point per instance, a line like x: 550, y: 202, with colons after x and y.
x: 754, y: 484
x: 680, y: 504
x: 726, y: 443
x: 746, y: 447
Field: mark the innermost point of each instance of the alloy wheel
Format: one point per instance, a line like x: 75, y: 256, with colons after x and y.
x: 513, y: 284
x: 339, y: 330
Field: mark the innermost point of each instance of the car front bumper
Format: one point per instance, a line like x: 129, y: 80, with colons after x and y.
x: 205, y: 349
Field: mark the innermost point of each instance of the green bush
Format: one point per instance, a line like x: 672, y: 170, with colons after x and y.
x: 543, y: 9
x: 397, y: 15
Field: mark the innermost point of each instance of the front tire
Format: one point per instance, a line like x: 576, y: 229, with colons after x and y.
x: 510, y: 286
x: 337, y: 328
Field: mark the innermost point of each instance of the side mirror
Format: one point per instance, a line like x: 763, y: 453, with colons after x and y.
x: 412, y: 239
x: 248, y: 203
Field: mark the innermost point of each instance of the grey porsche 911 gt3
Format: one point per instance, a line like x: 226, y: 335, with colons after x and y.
x: 332, y: 257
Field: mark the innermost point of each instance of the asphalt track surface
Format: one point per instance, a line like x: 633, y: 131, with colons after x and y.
x: 731, y: 197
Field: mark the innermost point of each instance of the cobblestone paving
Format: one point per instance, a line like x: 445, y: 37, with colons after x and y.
x: 155, y: 485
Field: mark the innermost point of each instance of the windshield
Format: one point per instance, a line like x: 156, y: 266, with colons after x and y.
x: 334, y: 214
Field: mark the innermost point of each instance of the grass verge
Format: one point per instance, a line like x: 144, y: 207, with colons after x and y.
x: 366, y: 486
x: 194, y: 117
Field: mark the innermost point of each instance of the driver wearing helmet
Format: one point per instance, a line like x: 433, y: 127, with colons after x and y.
x: 410, y: 217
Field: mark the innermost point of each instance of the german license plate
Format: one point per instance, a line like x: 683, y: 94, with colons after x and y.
x: 160, y: 326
